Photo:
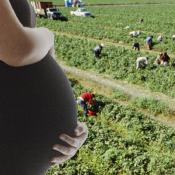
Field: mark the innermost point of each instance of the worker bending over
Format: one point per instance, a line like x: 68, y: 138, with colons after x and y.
x: 149, y: 42
x: 134, y: 33
x: 173, y: 37
x: 136, y: 46
x: 162, y: 59
x: 85, y: 100
x: 160, y: 38
x: 141, y: 62
x: 98, y: 49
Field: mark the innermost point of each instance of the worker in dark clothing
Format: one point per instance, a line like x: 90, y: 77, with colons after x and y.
x: 93, y: 108
x: 85, y: 100
x: 158, y: 59
x: 149, y: 42
x: 97, y: 50
x: 136, y: 46
x: 141, y: 20
x: 165, y: 59
x: 162, y: 59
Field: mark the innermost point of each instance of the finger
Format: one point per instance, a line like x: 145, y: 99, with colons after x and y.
x: 61, y: 159
x: 82, y: 139
x: 75, y: 142
x: 70, y: 140
x: 65, y: 150
x: 80, y: 129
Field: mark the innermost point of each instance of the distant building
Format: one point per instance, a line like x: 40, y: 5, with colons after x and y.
x: 72, y: 3
x: 68, y: 3
x: 41, y: 5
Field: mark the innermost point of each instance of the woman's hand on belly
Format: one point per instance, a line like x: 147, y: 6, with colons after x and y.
x: 81, y: 133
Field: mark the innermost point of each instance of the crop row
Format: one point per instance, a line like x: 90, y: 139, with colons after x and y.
x: 117, y: 62
x: 121, y: 141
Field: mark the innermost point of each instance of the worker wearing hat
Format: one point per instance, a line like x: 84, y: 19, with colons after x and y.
x: 98, y: 49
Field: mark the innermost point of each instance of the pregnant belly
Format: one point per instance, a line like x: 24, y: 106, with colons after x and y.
x: 36, y: 105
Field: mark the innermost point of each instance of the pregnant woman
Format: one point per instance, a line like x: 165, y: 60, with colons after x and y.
x: 38, y: 124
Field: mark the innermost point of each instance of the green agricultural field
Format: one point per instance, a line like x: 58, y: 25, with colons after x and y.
x: 119, y: 1
x: 121, y: 141
x: 82, y: 34
x: 110, y: 22
x: 117, y: 62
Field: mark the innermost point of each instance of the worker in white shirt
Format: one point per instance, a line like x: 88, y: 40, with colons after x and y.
x: 160, y: 38
x: 134, y: 33
x: 141, y: 62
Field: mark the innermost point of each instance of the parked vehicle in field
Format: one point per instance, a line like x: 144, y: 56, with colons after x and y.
x: 47, y: 10
x: 55, y: 14
x: 81, y: 12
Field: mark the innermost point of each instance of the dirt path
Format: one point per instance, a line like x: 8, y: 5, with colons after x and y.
x: 108, y: 92
x: 133, y: 90
x: 110, y: 43
x: 130, y: 89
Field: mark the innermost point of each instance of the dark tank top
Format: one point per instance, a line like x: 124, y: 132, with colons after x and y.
x: 24, y: 12
x: 36, y: 105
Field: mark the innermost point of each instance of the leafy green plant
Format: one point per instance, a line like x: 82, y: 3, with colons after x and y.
x: 154, y: 106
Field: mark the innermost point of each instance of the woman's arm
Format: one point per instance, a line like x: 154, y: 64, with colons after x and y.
x: 20, y: 45
x: 41, y: 41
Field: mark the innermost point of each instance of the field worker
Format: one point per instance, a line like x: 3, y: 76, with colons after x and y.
x: 85, y: 100
x: 136, y: 46
x: 141, y: 62
x: 141, y: 20
x: 98, y: 49
x: 158, y: 59
x: 38, y: 110
x: 173, y: 37
x: 93, y: 108
x: 149, y: 42
x: 165, y: 59
x: 160, y: 38
x: 134, y: 33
